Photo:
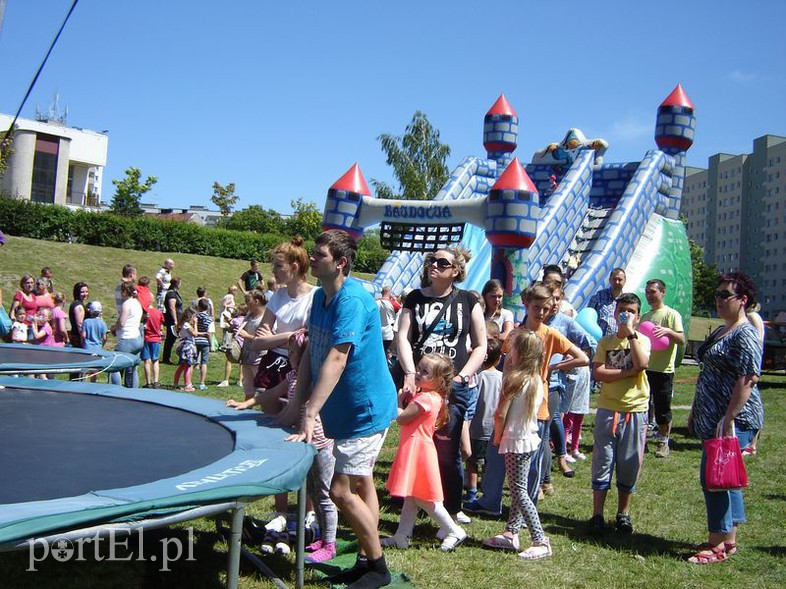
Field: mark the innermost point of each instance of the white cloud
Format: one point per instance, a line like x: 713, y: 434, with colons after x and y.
x: 743, y: 77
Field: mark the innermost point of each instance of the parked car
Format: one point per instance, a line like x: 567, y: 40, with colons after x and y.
x: 774, y: 357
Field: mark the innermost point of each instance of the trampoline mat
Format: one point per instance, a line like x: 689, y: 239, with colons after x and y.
x: 43, y: 355
x: 59, y: 444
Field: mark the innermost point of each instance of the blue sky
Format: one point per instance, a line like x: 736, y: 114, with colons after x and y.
x: 282, y: 98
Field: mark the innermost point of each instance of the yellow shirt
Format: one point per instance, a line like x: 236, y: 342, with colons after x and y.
x: 627, y: 395
x: 663, y: 360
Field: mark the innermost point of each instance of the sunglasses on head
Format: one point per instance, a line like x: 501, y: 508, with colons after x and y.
x: 724, y: 294
x: 441, y: 263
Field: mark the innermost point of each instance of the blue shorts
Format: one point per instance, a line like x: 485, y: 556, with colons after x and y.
x: 151, y: 351
x: 203, y: 351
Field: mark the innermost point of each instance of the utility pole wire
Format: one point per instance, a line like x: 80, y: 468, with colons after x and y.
x: 38, y: 73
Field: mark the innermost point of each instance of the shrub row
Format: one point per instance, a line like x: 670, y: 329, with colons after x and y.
x: 57, y: 223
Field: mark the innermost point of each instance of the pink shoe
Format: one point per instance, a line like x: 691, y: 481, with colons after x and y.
x: 314, y: 546
x: 327, y: 552
x: 189, y: 389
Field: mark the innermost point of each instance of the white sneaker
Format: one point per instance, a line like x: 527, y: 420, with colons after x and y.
x: 462, y: 518
x: 223, y: 383
x: 578, y: 455
x: 569, y: 458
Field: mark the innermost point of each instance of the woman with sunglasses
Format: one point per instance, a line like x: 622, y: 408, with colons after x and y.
x: 441, y: 318
x: 727, y: 399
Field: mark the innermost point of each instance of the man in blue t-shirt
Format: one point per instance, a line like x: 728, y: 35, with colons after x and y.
x: 344, y: 378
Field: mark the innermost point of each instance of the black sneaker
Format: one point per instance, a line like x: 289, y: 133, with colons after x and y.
x: 623, y: 525
x: 596, y: 525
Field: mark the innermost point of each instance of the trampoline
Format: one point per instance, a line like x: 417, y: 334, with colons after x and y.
x: 30, y: 359
x: 80, y: 458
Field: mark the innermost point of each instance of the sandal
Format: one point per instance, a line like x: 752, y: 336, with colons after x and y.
x: 729, y: 547
x: 711, y: 556
x: 539, y: 549
x: 502, y: 542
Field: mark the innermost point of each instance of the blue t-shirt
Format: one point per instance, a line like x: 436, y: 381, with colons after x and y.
x: 363, y: 401
x: 94, y: 329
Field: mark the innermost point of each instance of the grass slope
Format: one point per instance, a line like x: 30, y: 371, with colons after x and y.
x: 668, y: 510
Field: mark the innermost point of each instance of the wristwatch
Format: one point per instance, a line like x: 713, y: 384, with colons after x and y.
x: 464, y: 378
x: 633, y: 336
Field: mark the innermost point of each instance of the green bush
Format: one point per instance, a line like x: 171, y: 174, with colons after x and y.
x: 148, y: 233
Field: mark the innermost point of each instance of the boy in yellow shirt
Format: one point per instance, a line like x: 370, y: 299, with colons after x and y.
x: 620, y: 432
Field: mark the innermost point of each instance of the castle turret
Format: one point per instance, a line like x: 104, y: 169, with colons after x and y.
x: 344, y: 200
x: 512, y: 214
x: 500, y: 132
x: 674, y: 131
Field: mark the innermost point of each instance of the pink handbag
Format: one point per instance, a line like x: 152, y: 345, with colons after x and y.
x: 724, y: 470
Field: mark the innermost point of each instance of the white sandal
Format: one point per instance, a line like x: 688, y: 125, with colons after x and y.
x: 452, y: 541
x: 539, y: 549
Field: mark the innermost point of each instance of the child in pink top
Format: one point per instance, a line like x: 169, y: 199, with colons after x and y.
x: 414, y: 474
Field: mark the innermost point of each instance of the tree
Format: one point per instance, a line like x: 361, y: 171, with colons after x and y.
x: 418, y: 161
x: 306, y: 221
x: 224, y: 197
x: 6, y: 148
x: 129, y: 191
x: 705, y: 279
x: 255, y: 219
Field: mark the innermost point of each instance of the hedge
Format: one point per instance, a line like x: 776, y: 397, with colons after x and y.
x: 58, y: 223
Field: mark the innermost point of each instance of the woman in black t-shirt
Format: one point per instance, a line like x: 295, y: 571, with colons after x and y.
x: 460, y: 333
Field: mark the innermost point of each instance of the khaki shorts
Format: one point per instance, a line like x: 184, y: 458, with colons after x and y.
x: 356, y: 456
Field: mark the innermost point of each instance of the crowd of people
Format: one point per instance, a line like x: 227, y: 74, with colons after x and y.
x: 479, y: 399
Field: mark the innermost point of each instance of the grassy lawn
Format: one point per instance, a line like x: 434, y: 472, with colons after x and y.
x: 667, y: 512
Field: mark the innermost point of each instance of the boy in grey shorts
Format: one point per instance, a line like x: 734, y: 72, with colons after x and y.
x: 621, y: 421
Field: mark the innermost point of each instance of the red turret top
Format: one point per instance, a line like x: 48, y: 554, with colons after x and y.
x: 677, y: 98
x: 502, y: 107
x: 515, y: 178
x: 353, y: 181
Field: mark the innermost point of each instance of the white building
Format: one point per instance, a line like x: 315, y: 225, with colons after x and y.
x: 54, y: 163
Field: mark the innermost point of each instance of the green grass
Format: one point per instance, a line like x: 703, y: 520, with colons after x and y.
x: 668, y: 509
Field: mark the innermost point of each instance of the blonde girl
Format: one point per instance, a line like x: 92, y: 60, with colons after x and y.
x: 414, y: 474
x: 516, y: 433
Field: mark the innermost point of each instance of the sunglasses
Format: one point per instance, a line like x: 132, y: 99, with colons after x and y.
x: 441, y: 263
x: 724, y: 294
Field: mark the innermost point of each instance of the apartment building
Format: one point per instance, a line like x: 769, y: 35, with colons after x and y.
x: 736, y: 211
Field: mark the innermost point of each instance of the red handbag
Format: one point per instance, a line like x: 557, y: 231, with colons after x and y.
x: 724, y: 470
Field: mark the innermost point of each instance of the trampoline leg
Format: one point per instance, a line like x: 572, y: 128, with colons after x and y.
x: 233, y: 568
x: 301, y: 540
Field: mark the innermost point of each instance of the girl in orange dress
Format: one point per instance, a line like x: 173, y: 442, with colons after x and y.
x: 414, y: 474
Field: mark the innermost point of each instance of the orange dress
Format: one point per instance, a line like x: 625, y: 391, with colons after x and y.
x: 415, y: 470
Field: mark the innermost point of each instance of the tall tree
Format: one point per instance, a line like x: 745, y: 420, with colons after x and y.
x: 129, y: 191
x: 705, y: 279
x: 224, y: 197
x: 418, y: 161
x: 306, y: 220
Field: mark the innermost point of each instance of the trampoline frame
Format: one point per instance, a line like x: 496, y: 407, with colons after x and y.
x: 232, y: 497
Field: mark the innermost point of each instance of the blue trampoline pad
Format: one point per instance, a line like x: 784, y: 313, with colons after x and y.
x: 58, y: 444
x: 30, y: 359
